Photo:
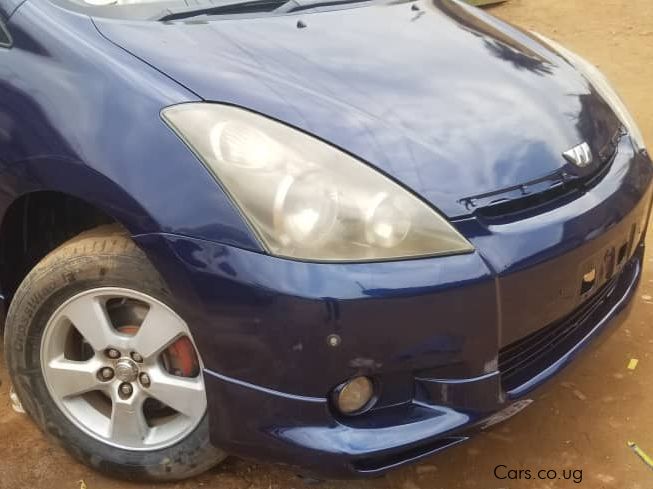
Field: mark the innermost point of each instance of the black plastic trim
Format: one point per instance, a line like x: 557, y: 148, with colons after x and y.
x: 6, y: 41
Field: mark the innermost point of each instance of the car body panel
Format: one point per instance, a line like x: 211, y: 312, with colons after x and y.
x: 417, y: 415
x: 281, y: 313
x: 416, y: 107
x: 393, y: 437
x: 8, y: 7
x: 102, y: 160
x: 453, y: 313
x: 579, y: 237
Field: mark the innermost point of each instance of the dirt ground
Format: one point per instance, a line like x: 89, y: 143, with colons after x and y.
x: 581, y: 421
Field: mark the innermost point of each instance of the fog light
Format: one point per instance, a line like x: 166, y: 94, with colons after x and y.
x: 355, y: 396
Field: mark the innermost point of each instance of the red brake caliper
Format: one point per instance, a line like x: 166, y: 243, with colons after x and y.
x: 180, y: 357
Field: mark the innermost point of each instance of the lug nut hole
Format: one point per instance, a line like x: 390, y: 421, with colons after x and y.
x: 113, y: 353
x: 105, y: 374
x: 125, y: 390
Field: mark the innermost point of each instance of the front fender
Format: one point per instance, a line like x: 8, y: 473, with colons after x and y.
x: 81, y: 116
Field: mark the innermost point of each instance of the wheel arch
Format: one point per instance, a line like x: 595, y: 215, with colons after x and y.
x: 48, y: 201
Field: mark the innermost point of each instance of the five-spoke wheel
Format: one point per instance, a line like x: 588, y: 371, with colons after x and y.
x: 121, y: 382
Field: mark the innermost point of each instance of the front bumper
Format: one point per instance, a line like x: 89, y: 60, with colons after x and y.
x: 436, y: 332
x: 305, y: 433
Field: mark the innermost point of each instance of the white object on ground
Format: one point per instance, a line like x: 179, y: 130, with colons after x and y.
x: 16, y: 405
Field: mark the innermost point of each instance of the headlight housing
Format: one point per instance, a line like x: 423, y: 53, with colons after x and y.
x: 306, y: 199
x: 605, y: 89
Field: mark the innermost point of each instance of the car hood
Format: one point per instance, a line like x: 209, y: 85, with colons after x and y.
x: 448, y: 100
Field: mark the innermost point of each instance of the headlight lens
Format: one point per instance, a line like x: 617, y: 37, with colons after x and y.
x: 603, y: 87
x: 306, y: 199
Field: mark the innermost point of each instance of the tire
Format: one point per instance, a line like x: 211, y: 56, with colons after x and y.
x: 107, y: 261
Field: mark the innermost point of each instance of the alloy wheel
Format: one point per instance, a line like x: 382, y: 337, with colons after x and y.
x: 123, y: 368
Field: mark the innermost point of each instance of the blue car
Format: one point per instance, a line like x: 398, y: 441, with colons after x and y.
x: 338, y: 235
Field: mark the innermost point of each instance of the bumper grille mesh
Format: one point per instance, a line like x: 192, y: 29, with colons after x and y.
x: 522, y: 360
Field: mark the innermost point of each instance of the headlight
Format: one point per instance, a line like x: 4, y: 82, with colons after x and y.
x: 306, y: 199
x: 603, y: 87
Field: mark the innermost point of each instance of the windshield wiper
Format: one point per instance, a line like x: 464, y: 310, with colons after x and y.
x: 225, y: 7
x: 298, y: 5
x: 221, y: 8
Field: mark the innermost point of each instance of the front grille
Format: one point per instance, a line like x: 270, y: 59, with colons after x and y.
x: 521, y: 361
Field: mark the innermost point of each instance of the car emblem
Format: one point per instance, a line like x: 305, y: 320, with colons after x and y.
x: 581, y: 155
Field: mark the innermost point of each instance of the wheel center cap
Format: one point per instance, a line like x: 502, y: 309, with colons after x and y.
x: 126, y: 370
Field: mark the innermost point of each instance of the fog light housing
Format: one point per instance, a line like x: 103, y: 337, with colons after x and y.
x: 355, y: 396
